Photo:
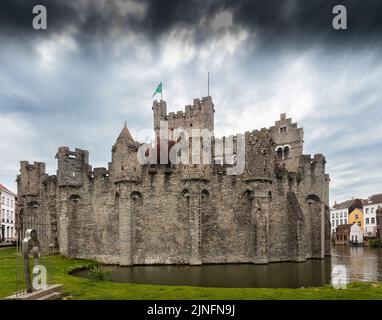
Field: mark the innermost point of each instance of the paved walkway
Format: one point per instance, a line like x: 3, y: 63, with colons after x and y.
x: 6, y: 244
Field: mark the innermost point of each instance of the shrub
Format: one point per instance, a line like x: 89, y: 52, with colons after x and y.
x: 98, y: 273
x: 375, y: 243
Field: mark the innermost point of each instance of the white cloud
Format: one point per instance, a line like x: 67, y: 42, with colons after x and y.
x: 334, y: 97
x: 52, y: 50
x: 17, y: 141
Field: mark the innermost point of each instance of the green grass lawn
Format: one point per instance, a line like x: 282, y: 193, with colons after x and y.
x: 80, y: 288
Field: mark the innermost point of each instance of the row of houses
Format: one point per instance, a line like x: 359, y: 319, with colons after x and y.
x: 7, y: 214
x: 355, y: 220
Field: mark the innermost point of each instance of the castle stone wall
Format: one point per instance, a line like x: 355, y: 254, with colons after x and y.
x: 129, y: 214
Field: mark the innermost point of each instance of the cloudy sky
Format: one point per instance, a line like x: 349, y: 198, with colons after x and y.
x: 99, y: 62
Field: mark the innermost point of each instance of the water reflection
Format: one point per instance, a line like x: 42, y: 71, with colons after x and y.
x: 362, y: 264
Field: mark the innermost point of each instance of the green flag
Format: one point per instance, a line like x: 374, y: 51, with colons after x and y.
x: 158, y: 89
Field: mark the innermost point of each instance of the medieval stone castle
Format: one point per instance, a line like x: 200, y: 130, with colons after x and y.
x: 129, y: 213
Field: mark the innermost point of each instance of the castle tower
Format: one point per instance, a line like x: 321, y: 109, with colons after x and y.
x: 73, y: 167
x: 29, y: 189
x: 124, y: 164
x: 160, y: 113
x: 289, y: 141
x: 30, y: 179
x: 199, y: 115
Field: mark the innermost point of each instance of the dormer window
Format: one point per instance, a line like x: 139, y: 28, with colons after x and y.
x: 284, y: 129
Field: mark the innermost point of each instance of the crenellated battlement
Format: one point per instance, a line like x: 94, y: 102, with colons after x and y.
x: 30, y: 178
x: 78, y: 154
x: 100, y: 173
x: 199, y: 115
x: 72, y: 166
x: 313, y: 165
x: 39, y: 167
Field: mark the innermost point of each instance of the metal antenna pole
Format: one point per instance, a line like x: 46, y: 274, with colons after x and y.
x: 208, y: 84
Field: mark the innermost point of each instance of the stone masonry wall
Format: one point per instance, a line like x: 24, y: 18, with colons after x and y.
x: 277, y: 210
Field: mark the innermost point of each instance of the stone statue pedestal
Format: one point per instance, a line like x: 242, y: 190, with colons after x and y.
x: 51, y: 292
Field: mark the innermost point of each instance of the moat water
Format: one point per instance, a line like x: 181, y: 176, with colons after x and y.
x: 362, y: 264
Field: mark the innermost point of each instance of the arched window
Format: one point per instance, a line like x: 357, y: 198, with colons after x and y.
x: 74, y: 198
x: 185, y: 193
x: 279, y: 152
x: 136, y: 195
x: 205, y: 194
x: 312, y: 199
x: 33, y: 205
x: 286, y: 152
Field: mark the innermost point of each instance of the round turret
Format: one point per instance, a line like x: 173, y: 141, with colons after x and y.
x: 125, y: 165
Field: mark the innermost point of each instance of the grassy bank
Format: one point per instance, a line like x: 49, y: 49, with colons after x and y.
x: 80, y: 288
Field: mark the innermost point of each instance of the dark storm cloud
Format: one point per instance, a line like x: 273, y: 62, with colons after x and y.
x: 99, y: 61
x: 270, y: 20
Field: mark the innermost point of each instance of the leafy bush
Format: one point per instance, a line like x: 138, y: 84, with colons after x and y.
x: 375, y: 243
x: 98, y: 273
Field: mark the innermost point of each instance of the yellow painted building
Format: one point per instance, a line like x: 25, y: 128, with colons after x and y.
x: 356, y: 216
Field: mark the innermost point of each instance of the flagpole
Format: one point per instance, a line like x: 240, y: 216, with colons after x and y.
x: 208, y: 85
x: 161, y: 92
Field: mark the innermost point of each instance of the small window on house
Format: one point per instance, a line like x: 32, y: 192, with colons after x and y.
x: 359, y: 223
x: 283, y: 129
x: 356, y: 216
x: 372, y: 220
x: 367, y: 220
x: 122, y: 168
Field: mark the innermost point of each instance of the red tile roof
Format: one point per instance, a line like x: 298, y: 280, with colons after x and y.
x: 2, y: 187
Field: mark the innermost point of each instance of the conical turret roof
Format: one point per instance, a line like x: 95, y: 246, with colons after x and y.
x: 125, y: 134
